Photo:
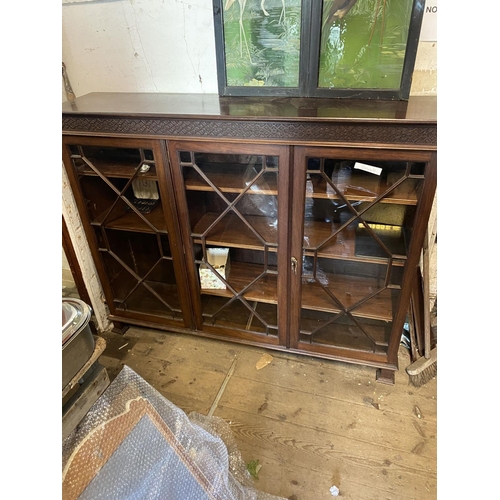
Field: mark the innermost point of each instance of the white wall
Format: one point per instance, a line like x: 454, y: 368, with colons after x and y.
x: 424, y: 81
x: 83, y: 255
x: 139, y: 46
x: 161, y: 46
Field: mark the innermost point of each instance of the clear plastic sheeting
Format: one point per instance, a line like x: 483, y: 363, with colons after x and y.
x: 135, y: 444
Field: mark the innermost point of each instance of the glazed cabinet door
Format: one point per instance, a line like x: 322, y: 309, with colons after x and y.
x: 124, y: 195
x: 360, y: 216
x: 233, y: 203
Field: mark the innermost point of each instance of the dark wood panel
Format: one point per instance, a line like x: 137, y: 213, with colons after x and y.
x: 409, y: 125
x: 196, y: 106
x: 412, y: 137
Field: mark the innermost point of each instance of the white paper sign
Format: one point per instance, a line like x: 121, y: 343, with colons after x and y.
x: 368, y: 168
x: 428, y: 33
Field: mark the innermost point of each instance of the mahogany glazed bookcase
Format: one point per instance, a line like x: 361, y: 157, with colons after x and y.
x: 320, y: 207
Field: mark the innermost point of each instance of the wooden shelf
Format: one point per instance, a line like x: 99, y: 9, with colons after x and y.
x: 236, y: 315
x: 356, y: 187
x: 240, y: 275
x: 365, y: 187
x: 230, y: 179
x: 128, y: 220
x: 349, y: 290
x: 231, y: 231
x: 142, y: 300
x: 116, y: 169
x: 342, y: 246
x: 346, y: 336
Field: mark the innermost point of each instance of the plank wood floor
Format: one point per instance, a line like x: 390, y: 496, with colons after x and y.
x: 311, y: 423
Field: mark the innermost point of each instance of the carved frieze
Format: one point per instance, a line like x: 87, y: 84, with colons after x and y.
x: 291, y: 131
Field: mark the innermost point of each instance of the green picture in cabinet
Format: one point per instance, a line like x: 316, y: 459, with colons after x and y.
x: 317, y: 48
x: 363, y: 43
x: 262, y: 42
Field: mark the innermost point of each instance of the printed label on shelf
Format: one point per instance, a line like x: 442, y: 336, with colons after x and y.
x: 368, y: 168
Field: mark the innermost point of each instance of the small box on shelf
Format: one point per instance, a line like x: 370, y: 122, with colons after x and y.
x: 218, y: 258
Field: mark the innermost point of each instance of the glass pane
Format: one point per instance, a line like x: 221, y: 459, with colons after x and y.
x: 121, y: 186
x: 115, y: 162
x: 262, y: 42
x: 363, y: 43
x: 141, y: 273
x: 358, y: 221
x: 233, y: 208
x: 317, y: 327
x: 347, y: 305
x: 121, y: 193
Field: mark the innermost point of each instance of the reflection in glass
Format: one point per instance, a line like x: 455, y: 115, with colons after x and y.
x: 262, y: 42
x: 363, y: 43
x: 233, y: 207
x: 358, y: 220
x: 128, y: 219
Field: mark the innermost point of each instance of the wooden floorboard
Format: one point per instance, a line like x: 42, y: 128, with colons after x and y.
x: 359, y: 424
x: 311, y: 423
x: 275, y: 444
